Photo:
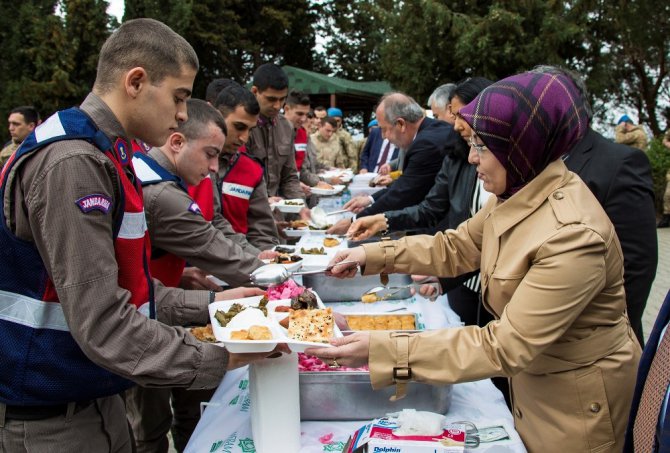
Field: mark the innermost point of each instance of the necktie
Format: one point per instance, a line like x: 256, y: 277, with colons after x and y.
x: 384, y: 156
x: 644, y: 429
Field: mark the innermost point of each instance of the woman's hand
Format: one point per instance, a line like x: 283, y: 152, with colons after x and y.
x: 366, y: 227
x: 430, y: 286
x: 238, y: 293
x: 356, y: 254
x: 237, y: 360
x: 352, y: 351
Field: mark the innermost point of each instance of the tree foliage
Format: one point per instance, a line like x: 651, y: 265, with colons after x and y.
x: 233, y: 37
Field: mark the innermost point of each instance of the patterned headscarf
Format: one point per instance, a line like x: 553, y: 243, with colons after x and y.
x: 527, y: 121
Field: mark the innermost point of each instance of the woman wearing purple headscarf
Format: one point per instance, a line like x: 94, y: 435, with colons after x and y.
x: 552, y: 275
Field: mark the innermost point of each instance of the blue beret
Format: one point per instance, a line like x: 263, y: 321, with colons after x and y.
x: 624, y: 119
x: 373, y: 123
x: 334, y: 111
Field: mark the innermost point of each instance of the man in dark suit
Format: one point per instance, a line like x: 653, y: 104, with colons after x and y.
x: 374, y: 146
x: 425, y: 140
x: 620, y: 178
x: 649, y: 421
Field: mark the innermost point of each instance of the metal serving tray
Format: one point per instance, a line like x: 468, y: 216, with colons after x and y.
x: 348, y: 395
x: 332, y: 289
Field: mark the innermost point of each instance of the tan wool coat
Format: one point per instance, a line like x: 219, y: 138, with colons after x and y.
x: 552, y: 274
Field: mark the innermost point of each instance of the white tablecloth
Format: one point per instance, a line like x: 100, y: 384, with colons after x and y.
x: 226, y: 427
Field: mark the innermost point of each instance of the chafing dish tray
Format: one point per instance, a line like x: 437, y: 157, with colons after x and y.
x: 348, y: 395
x: 332, y: 289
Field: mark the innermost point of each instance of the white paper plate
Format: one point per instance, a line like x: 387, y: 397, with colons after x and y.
x: 288, y: 208
x: 335, y: 190
x: 295, y: 345
x: 294, y: 266
x: 279, y: 334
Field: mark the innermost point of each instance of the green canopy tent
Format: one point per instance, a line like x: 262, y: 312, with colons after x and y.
x: 347, y: 95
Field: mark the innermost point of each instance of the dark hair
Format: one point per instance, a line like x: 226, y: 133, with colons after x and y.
x: 320, y: 108
x: 234, y: 95
x: 200, y: 115
x: 330, y: 120
x: 269, y: 75
x: 468, y: 89
x: 215, y: 87
x: 311, y: 114
x: 29, y: 113
x: 145, y: 43
x: 296, y: 97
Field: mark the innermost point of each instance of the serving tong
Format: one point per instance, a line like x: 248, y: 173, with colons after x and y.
x: 274, y: 274
x: 386, y: 292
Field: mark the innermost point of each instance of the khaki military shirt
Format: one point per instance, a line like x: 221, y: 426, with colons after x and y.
x: 175, y: 228
x: 636, y: 137
x: 7, y: 152
x: 350, y: 149
x: 262, y: 233
x: 78, y: 251
x: 329, y: 153
x: 272, y: 144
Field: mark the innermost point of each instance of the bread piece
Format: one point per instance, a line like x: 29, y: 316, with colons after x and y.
x: 330, y: 242
x: 369, y: 298
x: 259, y: 333
x: 239, y: 335
x: 311, y: 325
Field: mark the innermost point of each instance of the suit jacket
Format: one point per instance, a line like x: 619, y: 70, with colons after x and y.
x: 645, y: 362
x: 551, y: 271
x: 620, y: 178
x: 422, y: 161
x: 372, y: 148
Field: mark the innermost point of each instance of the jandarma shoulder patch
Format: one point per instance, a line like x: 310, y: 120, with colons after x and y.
x: 94, y: 202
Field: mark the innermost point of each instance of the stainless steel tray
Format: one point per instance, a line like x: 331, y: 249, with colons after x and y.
x: 332, y: 289
x: 348, y: 395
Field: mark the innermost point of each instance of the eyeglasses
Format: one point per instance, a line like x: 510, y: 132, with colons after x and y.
x: 479, y: 147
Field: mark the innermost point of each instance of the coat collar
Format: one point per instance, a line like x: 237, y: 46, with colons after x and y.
x: 104, y: 118
x: 523, y: 203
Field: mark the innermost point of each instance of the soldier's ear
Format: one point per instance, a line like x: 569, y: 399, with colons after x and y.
x: 177, y: 141
x: 135, y: 80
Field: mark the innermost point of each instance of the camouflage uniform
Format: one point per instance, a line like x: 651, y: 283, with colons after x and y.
x: 350, y: 149
x: 636, y: 137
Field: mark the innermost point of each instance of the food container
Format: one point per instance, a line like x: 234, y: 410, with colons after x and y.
x: 332, y: 289
x: 289, y: 206
x: 348, y: 395
x: 406, y: 321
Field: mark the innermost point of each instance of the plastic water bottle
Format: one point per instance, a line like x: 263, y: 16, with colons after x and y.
x: 346, y: 196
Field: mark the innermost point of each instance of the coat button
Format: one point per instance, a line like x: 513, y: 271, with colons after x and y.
x: 517, y: 412
x: 595, y: 408
x: 558, y: 195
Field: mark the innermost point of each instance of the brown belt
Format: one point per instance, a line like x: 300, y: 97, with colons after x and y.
x: 42, y: 412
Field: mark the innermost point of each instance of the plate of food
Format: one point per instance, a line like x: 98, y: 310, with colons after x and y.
x: 299, y: 228
x: 323, y: 188
x: 290, y: 261
x: 289, y: 206
x: 303, y: 318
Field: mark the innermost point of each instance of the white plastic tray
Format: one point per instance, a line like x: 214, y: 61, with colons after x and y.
x: 335, y: 190
x: 279, y: 334
x: 288, y: 208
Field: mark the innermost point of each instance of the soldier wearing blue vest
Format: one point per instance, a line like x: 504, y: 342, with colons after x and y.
x: 76, y: 295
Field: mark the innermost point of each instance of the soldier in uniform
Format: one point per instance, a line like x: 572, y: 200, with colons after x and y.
x: 78, y: 306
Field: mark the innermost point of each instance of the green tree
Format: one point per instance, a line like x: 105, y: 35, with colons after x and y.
x: 37, y: 62
x: 625, y: 54
x: 233, y: 37
x: 87, y: 26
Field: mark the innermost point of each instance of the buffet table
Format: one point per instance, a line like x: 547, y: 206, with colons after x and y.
x: 225, y: 425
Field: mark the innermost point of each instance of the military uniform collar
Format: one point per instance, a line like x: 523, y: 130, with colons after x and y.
x: 523, y: 203
x: 162, y: 160
x: 266, y: 122
x: 104, y: 118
